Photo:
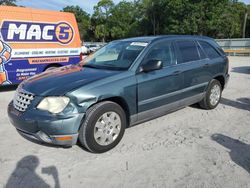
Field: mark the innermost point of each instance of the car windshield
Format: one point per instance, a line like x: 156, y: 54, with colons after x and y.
x: 118, y: 55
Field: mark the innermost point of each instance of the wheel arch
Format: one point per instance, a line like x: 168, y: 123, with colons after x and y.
x: 121, y: 102
x: 118, y: 100
x: 56, y: 65
x: 221, y: 79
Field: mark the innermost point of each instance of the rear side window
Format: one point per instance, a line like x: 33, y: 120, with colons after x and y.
x: 201, y: 52
x: 187, y: 51
x: 209, y: 50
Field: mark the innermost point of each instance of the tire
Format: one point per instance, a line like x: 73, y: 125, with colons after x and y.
x: 207, y: 103
x: 94, y: 126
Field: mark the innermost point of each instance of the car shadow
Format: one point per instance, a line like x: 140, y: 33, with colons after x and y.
x: 196, y: 106
x: 239, y: 151
x: 8, y: 88
x: 24, y: 175
x: 83, y: 148
x: 240, y: 103
x: 242, y: 70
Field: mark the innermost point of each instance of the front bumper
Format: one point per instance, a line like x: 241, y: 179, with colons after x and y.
x: 52, y: 129
x: 60, y: 140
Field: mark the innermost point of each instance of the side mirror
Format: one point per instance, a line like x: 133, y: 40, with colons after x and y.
x: 151, y: 65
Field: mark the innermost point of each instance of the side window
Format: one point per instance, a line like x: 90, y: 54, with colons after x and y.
x: 164, y: 52
x: 187, y: 51
x: 201, y: 52
x: 209, y: 50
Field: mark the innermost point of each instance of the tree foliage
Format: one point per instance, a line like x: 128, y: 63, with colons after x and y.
x: 8, y: 2
x: 214, y: 18
x: 83, y: 20
x: 122, y: 20
x: 101, y: 19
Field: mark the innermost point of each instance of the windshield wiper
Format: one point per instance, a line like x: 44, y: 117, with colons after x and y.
x: 91, y: 66
x: 105, y: 67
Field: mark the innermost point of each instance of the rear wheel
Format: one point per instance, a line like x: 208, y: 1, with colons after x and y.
x: 213, y: 95
x: 103, y: 127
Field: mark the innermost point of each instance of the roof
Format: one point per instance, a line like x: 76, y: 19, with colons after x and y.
x: 158, y: 37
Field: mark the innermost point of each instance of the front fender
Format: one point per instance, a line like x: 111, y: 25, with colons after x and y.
x: 123, y: 87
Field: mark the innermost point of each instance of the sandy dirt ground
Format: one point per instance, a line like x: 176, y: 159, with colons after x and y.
x: 188, y: 148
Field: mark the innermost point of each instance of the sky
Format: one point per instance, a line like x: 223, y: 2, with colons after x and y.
x: 86, y: 5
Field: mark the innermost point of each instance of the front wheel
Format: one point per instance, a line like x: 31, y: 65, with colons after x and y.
x: 103, y: 127
x: 213, y: 95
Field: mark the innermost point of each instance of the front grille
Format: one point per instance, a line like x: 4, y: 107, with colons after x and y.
x: 22, y: 100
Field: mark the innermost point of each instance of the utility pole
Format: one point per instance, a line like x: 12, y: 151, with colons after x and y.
x: 245, y: 23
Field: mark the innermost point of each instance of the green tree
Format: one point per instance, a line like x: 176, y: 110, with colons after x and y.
x: 83, y: 21
x: 230, y: 23
x: 101, y: 19
x: 122, y: 20
x: 150, y: 16
x: 214, y: 18
x: 8, y: 2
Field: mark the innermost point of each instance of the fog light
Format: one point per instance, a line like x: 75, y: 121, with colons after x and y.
x: 44, y: 137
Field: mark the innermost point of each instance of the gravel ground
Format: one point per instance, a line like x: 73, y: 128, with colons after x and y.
x: 188, y: 148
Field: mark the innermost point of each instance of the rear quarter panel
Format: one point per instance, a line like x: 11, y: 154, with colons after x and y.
x: 219, y: 65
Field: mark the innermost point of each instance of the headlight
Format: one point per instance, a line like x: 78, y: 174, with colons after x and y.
x: 53, y: 104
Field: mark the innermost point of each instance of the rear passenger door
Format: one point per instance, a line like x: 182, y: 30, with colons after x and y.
x: 193, y: 62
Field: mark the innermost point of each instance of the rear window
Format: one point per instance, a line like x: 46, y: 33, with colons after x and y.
x: 187, y: 51
x: 209, y: 50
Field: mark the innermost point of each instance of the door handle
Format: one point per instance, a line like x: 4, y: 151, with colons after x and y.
x: 176, y: 72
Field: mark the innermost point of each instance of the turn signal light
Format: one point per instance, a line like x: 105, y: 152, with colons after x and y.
x: 64, y: 138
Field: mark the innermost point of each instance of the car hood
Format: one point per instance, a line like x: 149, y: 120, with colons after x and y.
x: 62, y: 80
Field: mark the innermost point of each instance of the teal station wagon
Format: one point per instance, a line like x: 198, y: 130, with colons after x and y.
x: 126, y: 82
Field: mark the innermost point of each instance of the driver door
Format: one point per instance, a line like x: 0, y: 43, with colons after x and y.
x: 158, y: 90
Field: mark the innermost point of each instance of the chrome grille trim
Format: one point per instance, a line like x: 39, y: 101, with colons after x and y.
x: 22, y: 100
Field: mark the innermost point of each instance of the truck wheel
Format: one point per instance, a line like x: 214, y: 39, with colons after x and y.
x: 103, y: 127
x: 213, y: 95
